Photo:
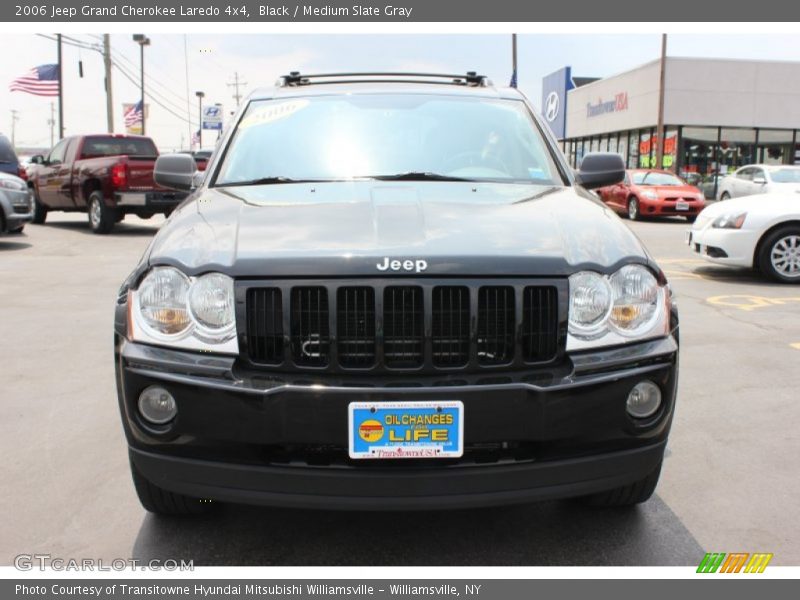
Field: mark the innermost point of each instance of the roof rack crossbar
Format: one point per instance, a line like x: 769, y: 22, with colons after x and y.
x: 470, y: 78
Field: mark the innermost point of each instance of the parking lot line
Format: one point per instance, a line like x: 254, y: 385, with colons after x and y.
x: 796, y: 345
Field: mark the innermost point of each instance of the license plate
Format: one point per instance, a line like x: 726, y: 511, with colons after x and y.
x: 689, y: 238
x: 681, y: 206
x: 428, y: 429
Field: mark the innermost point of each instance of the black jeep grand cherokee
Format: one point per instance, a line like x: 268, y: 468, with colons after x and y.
x: 391, y: 292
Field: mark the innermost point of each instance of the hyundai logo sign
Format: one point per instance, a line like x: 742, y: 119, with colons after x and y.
x: 551, y: 107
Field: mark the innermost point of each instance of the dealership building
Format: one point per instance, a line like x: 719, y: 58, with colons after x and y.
x: 719, y: 114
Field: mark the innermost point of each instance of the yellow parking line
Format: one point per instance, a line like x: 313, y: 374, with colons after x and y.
x: 796, y: 345
x: 748, y: 302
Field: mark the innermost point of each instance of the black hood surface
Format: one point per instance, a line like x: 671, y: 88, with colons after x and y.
x: 347, y: 228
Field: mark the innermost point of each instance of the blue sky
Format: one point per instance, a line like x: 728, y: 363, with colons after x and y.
x: 259, y: 59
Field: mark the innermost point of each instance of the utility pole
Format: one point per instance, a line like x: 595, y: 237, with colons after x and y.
x: 235, y: 85
x: 14, y: 119
x: 514, y: 59
x: 52, y: 123
x: 60, y: 91
x: 107, y: 65
x: 660, y: 126
x: 200, y: 96
x: 143, y: 41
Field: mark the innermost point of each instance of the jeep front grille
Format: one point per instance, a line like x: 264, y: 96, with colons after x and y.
x: 468, y: 326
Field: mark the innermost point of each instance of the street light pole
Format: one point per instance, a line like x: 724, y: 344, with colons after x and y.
x: 143, y: 41
x: 200, y: 96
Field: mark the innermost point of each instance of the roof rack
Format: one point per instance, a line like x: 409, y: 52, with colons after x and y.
x: 471, y: 78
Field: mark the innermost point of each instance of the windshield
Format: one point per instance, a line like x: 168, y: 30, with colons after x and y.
x: 785, y: 175
x: 117, y: 146
x: 652, y: 178
x: 407, y: 136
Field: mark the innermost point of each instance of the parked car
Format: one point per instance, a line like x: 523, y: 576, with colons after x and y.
x: 760, y: 179
x: 393, y: 292
x: 16, y: 204
x: 107, y: 176
x: 9, y: 163
x: 761, y: 232
x: 710, y: 185
x: 653, y: 193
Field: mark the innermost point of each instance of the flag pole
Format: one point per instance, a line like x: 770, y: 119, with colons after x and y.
x: 60, y: 92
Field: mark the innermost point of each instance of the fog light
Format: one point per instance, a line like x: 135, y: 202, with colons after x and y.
x: 643, y: 400
x: 157, y: 405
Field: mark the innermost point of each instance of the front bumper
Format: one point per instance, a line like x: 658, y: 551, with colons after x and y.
x: 247, y: 437
x: 733, y: 247
x: 662, y: 208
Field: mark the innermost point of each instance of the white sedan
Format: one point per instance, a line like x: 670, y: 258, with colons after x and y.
x: 759, y: 179
x: 762, y: 232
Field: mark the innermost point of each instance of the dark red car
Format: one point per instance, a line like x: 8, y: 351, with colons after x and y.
x: 653, y: 193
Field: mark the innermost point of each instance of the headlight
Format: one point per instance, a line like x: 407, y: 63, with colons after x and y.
x: 162, y: 301
x: 650, y: 194
x: 13, y: 184
x: 610, y: 310
x: 729, y: 221
x: 589, y: 302
x: 211, y: 305
x: 196, y: 313
x: 636, y: 294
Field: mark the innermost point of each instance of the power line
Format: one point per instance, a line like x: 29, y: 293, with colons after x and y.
x: 149, y: 94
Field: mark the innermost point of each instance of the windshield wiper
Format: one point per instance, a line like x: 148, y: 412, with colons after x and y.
x: 416, y: 176
x: 541, y: 194
x: 266, y: 181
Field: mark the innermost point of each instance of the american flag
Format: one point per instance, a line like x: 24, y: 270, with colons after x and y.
x: 133, y: 114
x: 39, y: 81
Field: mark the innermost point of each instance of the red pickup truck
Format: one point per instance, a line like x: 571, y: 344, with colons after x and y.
x: 104, y: 175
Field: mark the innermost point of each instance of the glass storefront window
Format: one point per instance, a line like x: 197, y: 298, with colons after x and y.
x: 633, y: 150
x: 774, y: 147
x: 737, y: 147
x: 622, y: 147
x: 595, y: 145
x: 647, y: 149
x: 698, y: 152
x: 612, y: 143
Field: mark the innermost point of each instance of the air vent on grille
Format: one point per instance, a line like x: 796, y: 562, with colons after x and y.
x: 539, y: 324
x: 355, y: 326
x: 265, y: 325
x: 450, y: 326
x: 310, y: 329
x: 495, y: 325
x: 403, y: 321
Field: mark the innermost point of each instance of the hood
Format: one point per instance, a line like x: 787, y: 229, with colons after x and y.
x: 671, y: 191
x: 776, y: 203
x: 348, y: 229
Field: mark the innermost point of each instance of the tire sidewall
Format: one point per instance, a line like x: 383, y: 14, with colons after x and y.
x: 107, y: 217
x: 634, y: 202
x: 764, y: 257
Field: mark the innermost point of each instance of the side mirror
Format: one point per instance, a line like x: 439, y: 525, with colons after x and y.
x: 37, y: 159
x: 599, y: 169
x: 759, y: 181
x: 175, y: 171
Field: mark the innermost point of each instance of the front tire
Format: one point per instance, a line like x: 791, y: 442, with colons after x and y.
x: 779, y: 255
x: 633, y: 209
x: 162, y: 502
x: 101, y: 217
x: 39, y: 209
x: 627, y: 495
x: 725, y: 196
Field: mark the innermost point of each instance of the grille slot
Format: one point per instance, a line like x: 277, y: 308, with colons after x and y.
x: 403, y: 322
x: 450, y: 326
x: 495, y: 325
x: 265, y: 325
x: 310, y: 327
x: 539, y: 336
x: 355, y: 326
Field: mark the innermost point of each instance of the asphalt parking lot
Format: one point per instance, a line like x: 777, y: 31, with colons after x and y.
x: 730, y: 482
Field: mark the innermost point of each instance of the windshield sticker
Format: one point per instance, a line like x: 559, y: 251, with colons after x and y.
x: 272, y: 112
